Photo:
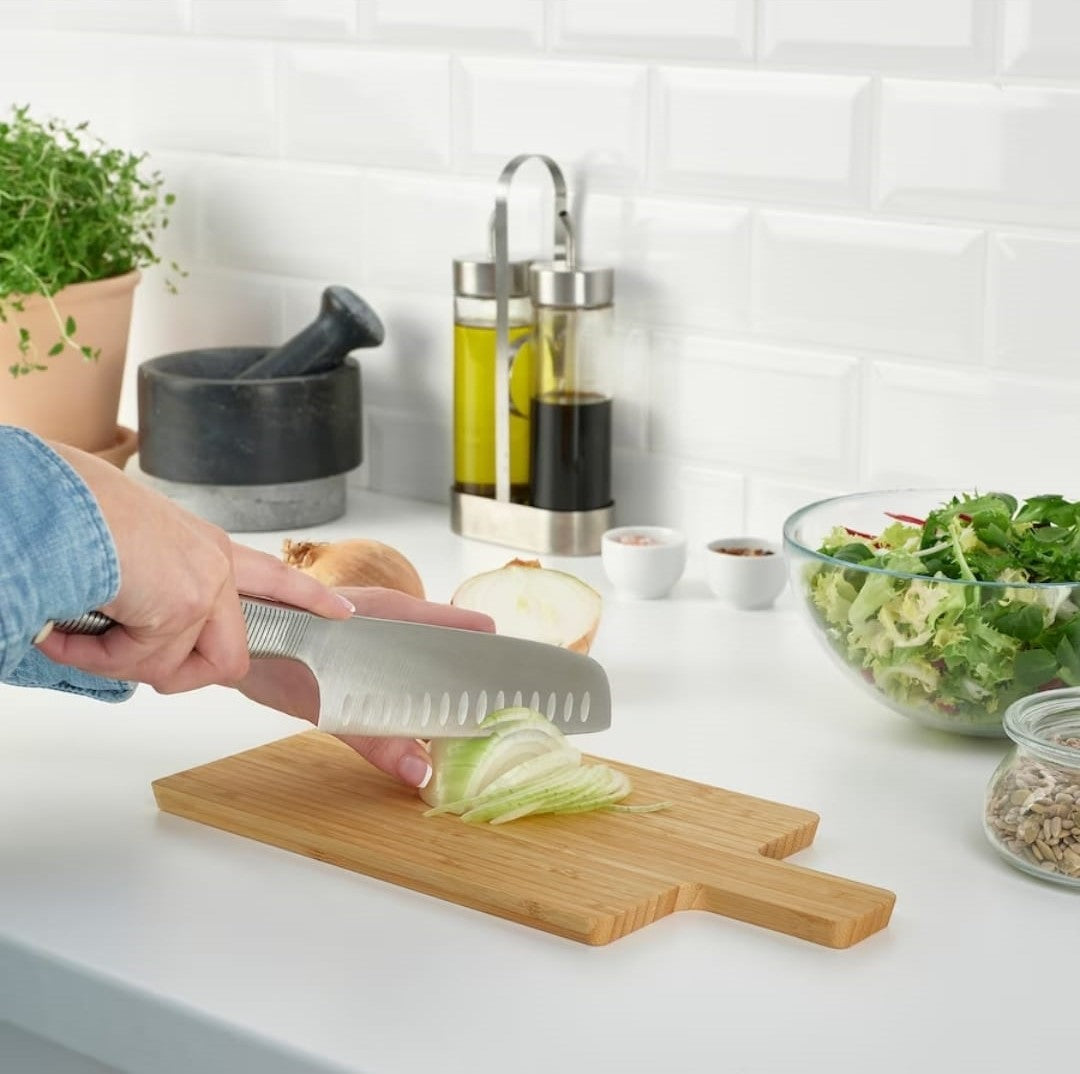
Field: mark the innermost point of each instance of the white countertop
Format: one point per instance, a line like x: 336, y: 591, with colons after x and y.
x: 155, y: 944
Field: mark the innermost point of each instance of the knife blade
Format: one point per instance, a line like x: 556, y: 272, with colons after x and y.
x: 385, y: 677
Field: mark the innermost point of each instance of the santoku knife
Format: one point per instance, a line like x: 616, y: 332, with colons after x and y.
x: 385, y: 677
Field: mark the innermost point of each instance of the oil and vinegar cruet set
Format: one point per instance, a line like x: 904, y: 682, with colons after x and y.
x: 534, y: 355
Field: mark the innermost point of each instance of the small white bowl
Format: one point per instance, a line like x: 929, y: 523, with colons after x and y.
x: 748, y: 572
x: 643, y: 562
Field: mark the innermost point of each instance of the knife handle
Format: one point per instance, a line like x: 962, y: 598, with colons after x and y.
x: 275, y: 629
x: 87, y: 623
x: 272, y: 629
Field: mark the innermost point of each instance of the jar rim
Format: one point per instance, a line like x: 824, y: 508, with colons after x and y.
x: 1038, y: 721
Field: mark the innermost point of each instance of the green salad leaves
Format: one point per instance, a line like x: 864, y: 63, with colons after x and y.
x: 959, y: 652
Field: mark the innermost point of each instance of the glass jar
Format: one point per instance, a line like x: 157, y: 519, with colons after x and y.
x: 1032, y: 807
x: 474, y: 377
x: 571, y: 410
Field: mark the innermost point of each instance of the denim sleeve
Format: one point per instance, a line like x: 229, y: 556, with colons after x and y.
x: 57, y: 560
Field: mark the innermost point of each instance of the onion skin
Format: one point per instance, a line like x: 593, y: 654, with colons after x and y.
x: 584, y: 643
x: 356, y: 562
x: 581, y: 644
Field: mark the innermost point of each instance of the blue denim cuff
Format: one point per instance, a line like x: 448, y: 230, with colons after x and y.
x: 38, y: 670
x: 57, y: 561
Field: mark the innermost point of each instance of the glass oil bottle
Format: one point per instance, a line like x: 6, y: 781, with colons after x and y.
x: 474, y: 377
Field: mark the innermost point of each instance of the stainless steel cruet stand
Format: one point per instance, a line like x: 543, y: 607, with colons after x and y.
x: 498, y: 519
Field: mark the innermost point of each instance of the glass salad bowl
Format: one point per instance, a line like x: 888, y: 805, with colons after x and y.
x: 947, y: 606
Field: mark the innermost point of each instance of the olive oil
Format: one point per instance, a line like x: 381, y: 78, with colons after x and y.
x: 474, y: 409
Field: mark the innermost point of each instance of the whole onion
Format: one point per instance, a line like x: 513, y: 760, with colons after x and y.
x: 357, y: 562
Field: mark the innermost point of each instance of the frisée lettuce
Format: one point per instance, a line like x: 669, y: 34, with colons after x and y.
x: 893, y: 604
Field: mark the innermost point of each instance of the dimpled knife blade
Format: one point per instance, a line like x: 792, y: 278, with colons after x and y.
x: 385, y: 677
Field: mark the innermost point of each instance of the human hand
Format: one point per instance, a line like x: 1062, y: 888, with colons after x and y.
x: 178, y: 607
x: 289, y: 686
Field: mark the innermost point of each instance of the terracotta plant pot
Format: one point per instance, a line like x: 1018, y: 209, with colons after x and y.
x: 74, y: 401
x: 125, y: 442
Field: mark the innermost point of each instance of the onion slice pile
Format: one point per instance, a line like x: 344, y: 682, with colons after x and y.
x: 524, y: 765
x: 527, y: 600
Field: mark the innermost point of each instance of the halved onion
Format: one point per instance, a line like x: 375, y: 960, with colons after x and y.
x: 527, y: 600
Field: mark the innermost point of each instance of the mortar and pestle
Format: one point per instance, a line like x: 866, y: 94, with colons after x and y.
x: 260, y: 438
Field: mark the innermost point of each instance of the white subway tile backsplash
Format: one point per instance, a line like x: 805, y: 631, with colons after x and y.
x: 754, y: 407
x: 289, y: 19
x: 211, y: 308
x: 126, y: 16
x: 676, y: 262
x: 1034, y: 303
x: 471, y: 24
x: 846, y: 233
x: 707, y: 503
x: 152, y: 93
x: 182, y: 179
x: 867, y: 284
x: 412, y: 369
x: 23, y: 14
x: 229, y: 108
x: 658, y: 490
x: 632, y: 387
x: 910, y: 35
x: 409, y: 454
x: 586, y: 116
x: 980, y: 150
x: 364, y: 107
x: 271, y: 217
x: 948, y: 429
x: 713, y: 30
x: 759, y: 134
x: 1041, y: 38
x: 42, y: 69
x: 770, y: 502
x: 415, y: 226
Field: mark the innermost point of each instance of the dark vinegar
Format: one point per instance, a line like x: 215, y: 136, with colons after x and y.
x: 570, y: 452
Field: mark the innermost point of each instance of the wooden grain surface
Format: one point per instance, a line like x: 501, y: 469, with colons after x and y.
x: 590, y: 877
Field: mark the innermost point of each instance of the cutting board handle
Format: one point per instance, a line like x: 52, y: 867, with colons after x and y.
x: 777, y: 895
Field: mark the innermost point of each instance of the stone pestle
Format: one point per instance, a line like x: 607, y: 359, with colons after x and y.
x: 345, y: 323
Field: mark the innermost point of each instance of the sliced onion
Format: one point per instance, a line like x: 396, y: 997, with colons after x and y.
x: 527, y: 600
x: 524, y: 765
x: 461, y: 768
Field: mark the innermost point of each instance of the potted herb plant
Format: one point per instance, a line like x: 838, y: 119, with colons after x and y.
x: 78, y: 220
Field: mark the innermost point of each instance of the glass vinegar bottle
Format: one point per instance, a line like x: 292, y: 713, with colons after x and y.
x: 571, y: 407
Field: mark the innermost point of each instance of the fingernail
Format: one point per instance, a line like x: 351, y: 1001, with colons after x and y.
x: 414, y: 770
x: 349, y: 606
x: 43, y: 633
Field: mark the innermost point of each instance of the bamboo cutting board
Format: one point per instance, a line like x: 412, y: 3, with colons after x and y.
x: 590, y: 877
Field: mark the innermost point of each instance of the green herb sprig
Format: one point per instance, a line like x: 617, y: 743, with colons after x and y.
x: 72, y: 210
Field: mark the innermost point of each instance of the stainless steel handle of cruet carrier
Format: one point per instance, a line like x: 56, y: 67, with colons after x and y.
x: 564, y: 252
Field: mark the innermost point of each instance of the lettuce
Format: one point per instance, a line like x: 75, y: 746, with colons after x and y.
x: 924, y: 638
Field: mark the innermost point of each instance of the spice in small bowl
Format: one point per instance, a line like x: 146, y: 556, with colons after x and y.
x: 643, y: 562
x: 748, y: 572
x: 639, y: 540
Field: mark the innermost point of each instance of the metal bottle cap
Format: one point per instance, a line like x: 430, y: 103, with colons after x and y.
x: 475, y: 277
x: 555, y: 283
